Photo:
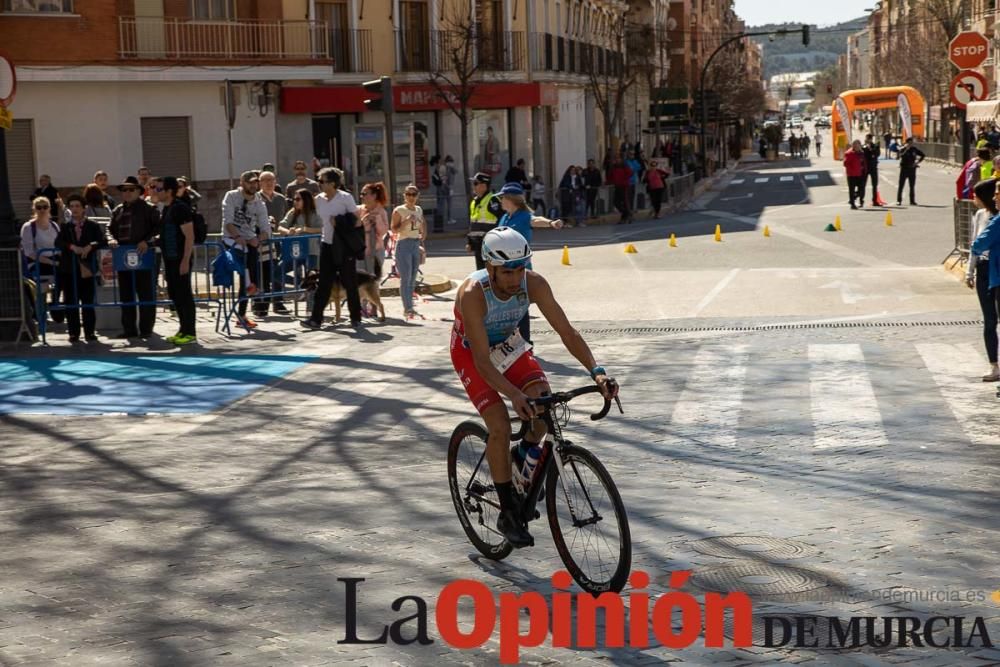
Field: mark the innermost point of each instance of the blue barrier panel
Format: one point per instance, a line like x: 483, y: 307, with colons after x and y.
x: 128, y: 258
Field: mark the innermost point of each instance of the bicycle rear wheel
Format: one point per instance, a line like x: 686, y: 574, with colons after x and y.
x: 588, y: 522
x: 473, y: 492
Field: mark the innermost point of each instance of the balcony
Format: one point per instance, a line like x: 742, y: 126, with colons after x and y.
x: 440, y: 50
x: 152, y: 38
x: 560, y: 54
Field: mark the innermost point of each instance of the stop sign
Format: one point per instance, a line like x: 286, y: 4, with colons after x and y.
x: 968, y: 50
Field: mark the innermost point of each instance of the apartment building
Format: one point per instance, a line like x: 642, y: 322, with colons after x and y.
x: 115, y: 84
x: 142, y: 82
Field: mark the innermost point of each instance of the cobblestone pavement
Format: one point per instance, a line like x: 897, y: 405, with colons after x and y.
x: 809, y: 466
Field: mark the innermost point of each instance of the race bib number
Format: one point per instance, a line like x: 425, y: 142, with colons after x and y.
x: 505, y: 354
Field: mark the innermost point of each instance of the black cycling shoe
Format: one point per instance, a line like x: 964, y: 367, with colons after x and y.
x: 513, y: 530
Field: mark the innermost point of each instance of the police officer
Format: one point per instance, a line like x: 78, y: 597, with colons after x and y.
x: 484, y: 212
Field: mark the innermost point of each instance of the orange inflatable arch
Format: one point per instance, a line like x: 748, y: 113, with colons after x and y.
x: 907, y: 99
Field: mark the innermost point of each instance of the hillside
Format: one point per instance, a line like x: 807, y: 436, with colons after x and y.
x: 786, y: 54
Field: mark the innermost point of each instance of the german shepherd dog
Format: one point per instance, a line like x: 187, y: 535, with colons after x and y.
x: 368, y: 288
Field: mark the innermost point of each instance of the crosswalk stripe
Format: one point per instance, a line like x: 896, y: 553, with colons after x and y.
x: 737, y: 181
x: 787, y: 178
x: 761, y: 180
x: 974, y: 406
x: 812, y: 177
x: 844, y: 410
x: 708, y: 409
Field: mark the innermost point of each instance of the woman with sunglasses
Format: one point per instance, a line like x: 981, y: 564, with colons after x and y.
x: 40, y: 233
x: 411, y: 229
x: 376, y: 222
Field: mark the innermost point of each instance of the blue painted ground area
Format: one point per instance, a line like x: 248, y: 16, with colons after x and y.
x: 136, y: 384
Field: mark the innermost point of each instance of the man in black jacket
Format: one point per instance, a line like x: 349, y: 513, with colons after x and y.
x: 134, y: 224
x: 909, y: 157
x: 872, y: 153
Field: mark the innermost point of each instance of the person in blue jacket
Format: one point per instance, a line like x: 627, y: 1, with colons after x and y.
x: 989, y: 241
x: 519, y: 217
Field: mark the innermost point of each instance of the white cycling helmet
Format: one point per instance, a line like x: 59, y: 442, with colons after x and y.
x: 505, y: 247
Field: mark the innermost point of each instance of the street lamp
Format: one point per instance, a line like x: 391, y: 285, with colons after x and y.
x: 704, y: 71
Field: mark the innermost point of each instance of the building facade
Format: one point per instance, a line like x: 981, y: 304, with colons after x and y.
x: 208, y: 88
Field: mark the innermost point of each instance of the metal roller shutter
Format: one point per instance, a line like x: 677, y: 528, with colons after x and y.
x: 21, y: 166
x: 166, y: 145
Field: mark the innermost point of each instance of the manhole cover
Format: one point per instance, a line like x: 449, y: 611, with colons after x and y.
x: 758, y: 579
x: 743, y: 546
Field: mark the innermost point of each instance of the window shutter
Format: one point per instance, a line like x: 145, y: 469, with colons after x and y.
x: 21, y: 164
x: 166, y: 145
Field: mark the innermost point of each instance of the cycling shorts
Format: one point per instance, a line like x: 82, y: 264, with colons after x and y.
x: 524, y: 372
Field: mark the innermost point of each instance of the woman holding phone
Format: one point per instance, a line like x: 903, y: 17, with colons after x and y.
x: 411, y: 229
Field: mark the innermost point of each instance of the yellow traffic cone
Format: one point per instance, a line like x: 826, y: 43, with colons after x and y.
x: 836, y: 223
x: 888, y: 218
x: 630, y: 249
x: 565, y: 257
x: 767, y: 231
x: 718, y: 233
x: 673, y: 241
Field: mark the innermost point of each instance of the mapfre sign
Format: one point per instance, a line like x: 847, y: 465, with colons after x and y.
x: 968, y: 50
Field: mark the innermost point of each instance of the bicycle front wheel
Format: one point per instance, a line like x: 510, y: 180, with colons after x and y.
x: 588, y: 522
x: 473, y: 491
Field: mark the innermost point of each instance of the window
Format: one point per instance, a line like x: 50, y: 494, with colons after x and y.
x: 38, y: 6
x: 212, y: 10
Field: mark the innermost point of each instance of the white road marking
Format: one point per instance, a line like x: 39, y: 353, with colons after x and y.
x: 844, y: 410
x: 955, y: 369
x: 737, y: 181
x: 761, y: 180
x: 811, y: 177
x: 748, y: 195
x: 708, y: 410
x: 787, y: 178
x: 721, y: 285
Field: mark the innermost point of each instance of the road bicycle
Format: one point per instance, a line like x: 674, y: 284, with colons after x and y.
x: 585, y: 511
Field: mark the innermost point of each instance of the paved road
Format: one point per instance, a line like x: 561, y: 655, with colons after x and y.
x: 803, y: 421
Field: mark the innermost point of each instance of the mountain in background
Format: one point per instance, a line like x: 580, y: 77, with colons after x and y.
x: 786, y: 54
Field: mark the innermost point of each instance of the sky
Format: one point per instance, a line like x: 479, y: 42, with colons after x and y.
x: 757, y: 12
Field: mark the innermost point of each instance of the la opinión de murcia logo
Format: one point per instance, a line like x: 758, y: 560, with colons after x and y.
x: 648, y: 620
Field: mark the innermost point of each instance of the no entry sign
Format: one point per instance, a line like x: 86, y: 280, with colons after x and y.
x: 968, y: 49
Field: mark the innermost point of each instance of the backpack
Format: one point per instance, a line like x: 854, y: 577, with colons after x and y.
x: 200, y: 228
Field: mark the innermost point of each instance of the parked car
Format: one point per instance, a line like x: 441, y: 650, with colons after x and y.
x: 823, y: 121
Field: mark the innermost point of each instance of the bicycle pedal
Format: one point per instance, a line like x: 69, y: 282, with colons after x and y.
x: 538, y: 515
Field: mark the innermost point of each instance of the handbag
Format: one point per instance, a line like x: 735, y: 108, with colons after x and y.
x: 423, y: 255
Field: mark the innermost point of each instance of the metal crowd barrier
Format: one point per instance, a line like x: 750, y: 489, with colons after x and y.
x: 964, y: 210
x: 14, y: 308
x: 290, y: 259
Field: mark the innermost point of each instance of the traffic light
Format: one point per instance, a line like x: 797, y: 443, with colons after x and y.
x: 805, y: 35
x: 382, y: 87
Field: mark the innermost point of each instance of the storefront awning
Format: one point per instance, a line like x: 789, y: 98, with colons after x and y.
x: 415, y: 97
x: 979, y: 112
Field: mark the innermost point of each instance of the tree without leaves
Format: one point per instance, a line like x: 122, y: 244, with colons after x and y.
x: 608, y: 77
x: 460, y: 53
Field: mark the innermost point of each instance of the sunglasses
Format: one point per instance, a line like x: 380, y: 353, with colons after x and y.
x: 411, y: 194
x: 129, y: 190
x: 160, y: 189
x: 296, y: 198
x: 42, y: 208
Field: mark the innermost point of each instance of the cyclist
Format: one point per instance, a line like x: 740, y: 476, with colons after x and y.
x: 491, y: 358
